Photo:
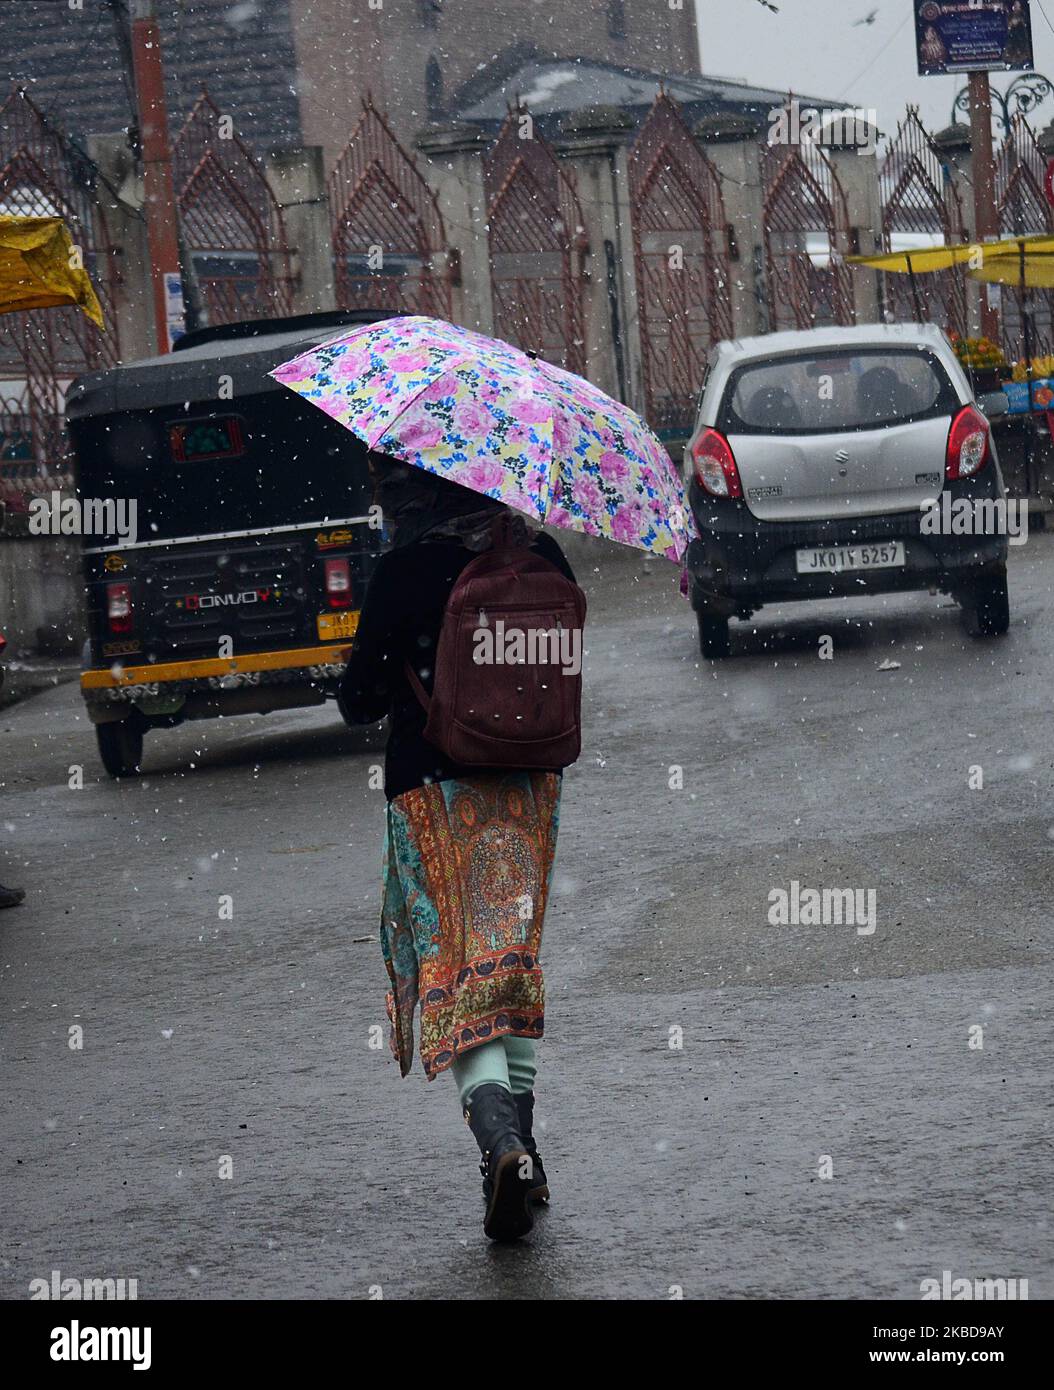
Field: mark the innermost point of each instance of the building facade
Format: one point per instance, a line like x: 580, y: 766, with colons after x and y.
x: 295, y: 72
x: 425, y: 60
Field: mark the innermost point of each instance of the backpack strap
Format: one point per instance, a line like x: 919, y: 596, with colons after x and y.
x: 423, y: 698
x: 502, y: 535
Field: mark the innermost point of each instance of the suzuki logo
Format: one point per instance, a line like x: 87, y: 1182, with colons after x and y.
x: 841, y: 456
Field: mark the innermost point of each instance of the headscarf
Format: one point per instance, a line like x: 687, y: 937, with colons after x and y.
x: 424, y: 507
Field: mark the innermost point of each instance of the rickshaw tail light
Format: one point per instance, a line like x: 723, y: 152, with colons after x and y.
x: 338, y: 583
x: 119, y: 607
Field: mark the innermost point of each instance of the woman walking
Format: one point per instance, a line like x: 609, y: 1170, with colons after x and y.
x: 468, y: 853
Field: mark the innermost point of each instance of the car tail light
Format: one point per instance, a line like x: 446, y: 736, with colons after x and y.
x: 715, y: 465
x: 968, y: 443
x: 119, y: 607
x: 338, y: 583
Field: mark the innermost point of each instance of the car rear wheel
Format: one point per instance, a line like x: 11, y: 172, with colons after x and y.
x: 120, y: 747
x: 987, y: 608
x: 713, y: 636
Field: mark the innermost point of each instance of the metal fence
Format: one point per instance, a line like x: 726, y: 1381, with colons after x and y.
x: 537, y: 245
x: 919, y: 204
x: 681, y: 248
x: 234, y: 240
x: 806, y: 236
x: 389, y: 240
x: 1023, y: 211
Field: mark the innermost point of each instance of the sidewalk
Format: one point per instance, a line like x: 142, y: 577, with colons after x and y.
x: 29, y: 675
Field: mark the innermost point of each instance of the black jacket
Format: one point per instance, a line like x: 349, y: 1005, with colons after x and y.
x: 400, y: 621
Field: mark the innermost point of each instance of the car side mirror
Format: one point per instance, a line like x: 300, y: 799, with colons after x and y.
x: 994, y: 403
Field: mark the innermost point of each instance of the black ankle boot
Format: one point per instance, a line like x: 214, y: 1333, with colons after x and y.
x: 538, y: 1187
x: 493, y: 1119
x: 525, y: 1111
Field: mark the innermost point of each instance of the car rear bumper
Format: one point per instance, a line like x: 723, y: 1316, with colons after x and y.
x: 739, y: 563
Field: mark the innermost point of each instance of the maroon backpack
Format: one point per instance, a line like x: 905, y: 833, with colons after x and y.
x: 503, y: 695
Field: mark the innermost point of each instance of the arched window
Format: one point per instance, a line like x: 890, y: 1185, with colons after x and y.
x: 617, y: 19
x: 434, y: 88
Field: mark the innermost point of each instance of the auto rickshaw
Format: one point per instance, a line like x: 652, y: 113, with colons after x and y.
x: 238, y: 588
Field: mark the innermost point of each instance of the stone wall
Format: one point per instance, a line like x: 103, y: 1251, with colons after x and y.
x: 41, y: 595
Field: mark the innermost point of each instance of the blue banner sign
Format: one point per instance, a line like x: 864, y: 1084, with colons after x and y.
x: 973, y: 36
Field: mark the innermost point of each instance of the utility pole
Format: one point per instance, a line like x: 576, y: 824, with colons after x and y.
x: 985, y: 216
x: 160, y: 200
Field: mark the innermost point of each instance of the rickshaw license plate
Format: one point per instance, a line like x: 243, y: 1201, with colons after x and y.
x: 334, y: 625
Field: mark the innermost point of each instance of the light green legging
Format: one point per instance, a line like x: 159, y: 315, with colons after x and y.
x: 508, y: 1062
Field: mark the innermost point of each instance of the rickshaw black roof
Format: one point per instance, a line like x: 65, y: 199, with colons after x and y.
x: 245, y: 352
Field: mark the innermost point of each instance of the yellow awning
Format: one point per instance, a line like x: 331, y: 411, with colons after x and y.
x: 932, y: 258
x: 926, y: 258
x: 38, y: 268
x: 1035, y: 273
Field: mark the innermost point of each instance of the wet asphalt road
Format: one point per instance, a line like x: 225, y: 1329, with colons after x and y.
x: 692, y: 1168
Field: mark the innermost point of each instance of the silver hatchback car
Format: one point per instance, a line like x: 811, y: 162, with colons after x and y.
x: 823, y: 462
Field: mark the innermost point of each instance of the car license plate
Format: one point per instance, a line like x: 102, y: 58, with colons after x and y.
x: 836, y: 559
x: 332, y: 626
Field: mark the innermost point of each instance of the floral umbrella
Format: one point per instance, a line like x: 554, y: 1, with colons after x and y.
x: 501, y: 422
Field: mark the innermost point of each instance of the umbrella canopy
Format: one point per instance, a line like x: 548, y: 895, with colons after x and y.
x: 499, y: 421
x: 38, y: 270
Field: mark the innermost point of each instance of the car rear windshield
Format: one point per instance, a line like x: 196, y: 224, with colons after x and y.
x: 843, y: 390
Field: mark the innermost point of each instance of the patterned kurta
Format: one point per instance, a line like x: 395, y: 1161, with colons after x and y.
x: 467, y: 868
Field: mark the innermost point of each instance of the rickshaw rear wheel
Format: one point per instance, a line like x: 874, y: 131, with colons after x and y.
x: 121, y: 746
